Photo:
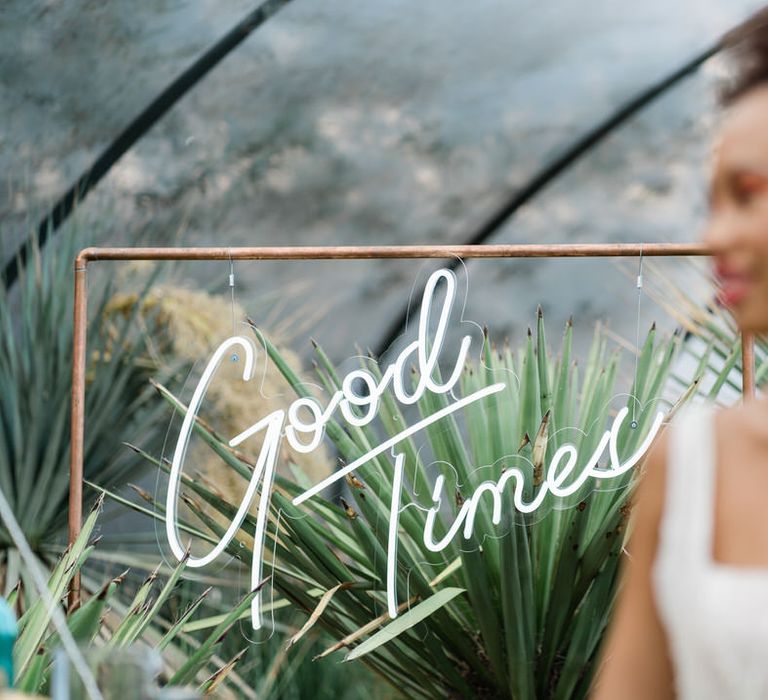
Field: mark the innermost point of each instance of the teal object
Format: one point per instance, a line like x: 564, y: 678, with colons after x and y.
x: 9, y: 630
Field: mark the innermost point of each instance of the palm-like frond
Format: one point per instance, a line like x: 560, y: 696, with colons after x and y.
x: 105, y: 625
x: 35, y: 381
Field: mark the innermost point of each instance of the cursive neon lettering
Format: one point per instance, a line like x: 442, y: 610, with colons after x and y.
x: 358, y: 401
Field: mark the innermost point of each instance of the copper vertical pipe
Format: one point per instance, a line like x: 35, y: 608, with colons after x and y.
x: 77, y: 434
x: 748, y: 365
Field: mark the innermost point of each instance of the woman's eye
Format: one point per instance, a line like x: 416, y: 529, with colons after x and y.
x: 747, y: 188
x: 743, y: 195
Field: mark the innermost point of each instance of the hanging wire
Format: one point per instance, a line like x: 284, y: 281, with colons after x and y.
x: 232, y: 287
x: 234, y: 357
x: 639, y: 284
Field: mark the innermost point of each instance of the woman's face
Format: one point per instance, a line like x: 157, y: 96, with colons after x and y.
x: 738, y: 218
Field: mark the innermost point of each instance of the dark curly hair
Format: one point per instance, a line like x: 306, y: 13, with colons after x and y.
x: 747, y: 48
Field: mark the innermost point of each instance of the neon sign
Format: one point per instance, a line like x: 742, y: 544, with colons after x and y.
x: 359, y: 408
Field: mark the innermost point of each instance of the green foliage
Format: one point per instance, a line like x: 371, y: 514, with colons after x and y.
x: 35, y: 381
x: 272, y: 670
x: 517, y: 611
x: 710, y: 357
x: 107, y: 622
x: 539, y: 588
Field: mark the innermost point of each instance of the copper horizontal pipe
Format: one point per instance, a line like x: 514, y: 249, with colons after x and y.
x: 588, y: 250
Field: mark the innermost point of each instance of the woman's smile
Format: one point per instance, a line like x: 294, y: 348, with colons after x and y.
x: 735, y: 285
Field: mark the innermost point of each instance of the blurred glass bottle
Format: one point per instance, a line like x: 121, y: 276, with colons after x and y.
x: 8, y: 633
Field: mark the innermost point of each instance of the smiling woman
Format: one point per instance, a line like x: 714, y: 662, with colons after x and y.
x: 739, y: 208
x: 690, y: 619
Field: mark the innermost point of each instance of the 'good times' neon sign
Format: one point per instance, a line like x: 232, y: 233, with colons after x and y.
x: 360, y: 408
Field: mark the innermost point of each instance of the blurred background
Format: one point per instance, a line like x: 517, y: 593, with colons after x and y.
x: 370, y: 123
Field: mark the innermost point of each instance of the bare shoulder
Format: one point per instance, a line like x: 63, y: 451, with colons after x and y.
x: 654, y: 465
x: 743, y: 427
x: 652, y: 484
x: 741, y: 480
x: 636, y: 660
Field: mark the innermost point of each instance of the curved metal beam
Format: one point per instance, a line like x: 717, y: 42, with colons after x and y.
x: 557, y: 166
x: 142, y: 123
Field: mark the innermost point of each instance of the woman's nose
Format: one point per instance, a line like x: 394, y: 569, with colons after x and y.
x: 719, y: 233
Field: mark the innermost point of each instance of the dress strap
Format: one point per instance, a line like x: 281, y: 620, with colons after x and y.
x: 686, y: 525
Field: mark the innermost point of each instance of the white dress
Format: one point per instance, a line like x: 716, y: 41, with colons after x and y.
x: 716, y: 615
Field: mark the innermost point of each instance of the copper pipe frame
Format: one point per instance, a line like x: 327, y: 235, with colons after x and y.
x: 609, y: 250
x: 748, y: 365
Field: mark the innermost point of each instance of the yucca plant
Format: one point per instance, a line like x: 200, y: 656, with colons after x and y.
x: 196, y: 639
x: 517, y: 610
x: 274, y: 666
x: 711, y: 343
x: 271, y: 668
x: 35, y: 381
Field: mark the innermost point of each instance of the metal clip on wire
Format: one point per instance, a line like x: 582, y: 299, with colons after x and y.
x: 234, y: 357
